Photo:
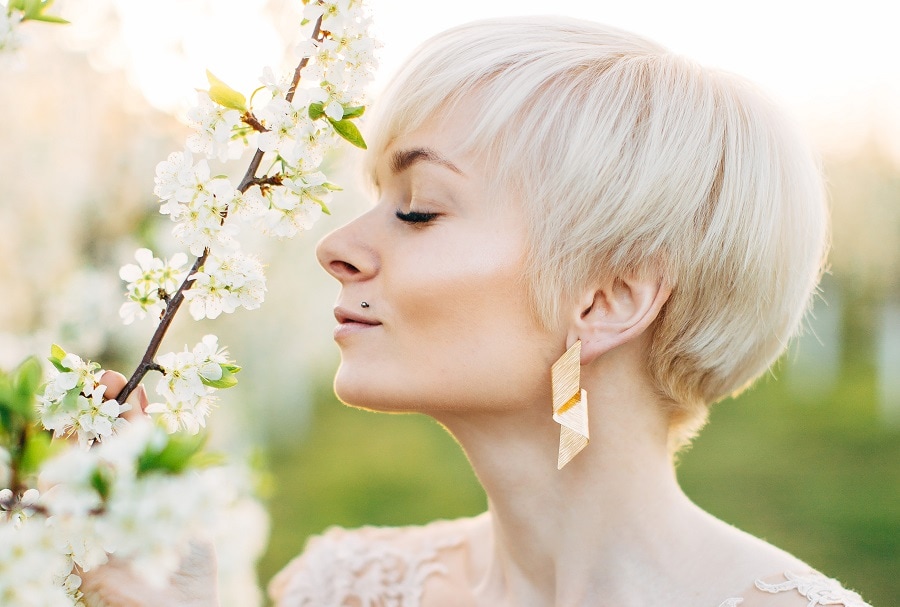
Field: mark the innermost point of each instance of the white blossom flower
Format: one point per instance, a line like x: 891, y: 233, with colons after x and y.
x: 181, y: 380
x: 10, y: 38
x: 337, y: 14
x: 17, y: 511
x: 31, y: 568
x: 213, y: 124
x: 5, y: 469
x: 184, y: 415
x: 248, y: 205
x: 277, y: 86
x: 73, y: 402
x: 294, y: 208
x: 287, y: 121
x: 148, y: 283
x: 175, y: 178
x: 187, y: 399
x: 226, y: 283
x: 200, y: 223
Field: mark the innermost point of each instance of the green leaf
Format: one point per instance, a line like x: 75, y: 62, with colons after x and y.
x: 57, y: 352
x: 348, y: 131
x: 324, y: 206
x: 28, y: 377
x: 31, y: 7
x: 316, y: 110
x: 173, y: 457
x: 224, y: 95
x: 226, y: 381
x: 17, y: 5
x: 9, y: 420
x: 38, y: 447
x: 207, y: 459
x: 101, y: 481
x: 353, y: 111
x: 26, y: 380
x: 47, y: 19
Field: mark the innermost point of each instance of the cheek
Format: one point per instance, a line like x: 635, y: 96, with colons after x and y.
x: 465, y: 332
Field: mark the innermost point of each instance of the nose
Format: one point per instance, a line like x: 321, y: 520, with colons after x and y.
x: 347, y: 253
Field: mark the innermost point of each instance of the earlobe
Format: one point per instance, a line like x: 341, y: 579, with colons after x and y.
x: 616, y: 313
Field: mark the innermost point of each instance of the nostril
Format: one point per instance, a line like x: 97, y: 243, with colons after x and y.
x: 343, y: 268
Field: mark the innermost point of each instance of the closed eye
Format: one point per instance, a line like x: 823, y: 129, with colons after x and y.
x: 415, y: 216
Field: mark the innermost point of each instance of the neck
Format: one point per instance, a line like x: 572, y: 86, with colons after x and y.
x: 613, y: 517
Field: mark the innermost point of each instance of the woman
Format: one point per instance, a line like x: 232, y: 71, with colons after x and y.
x: 556, y: 194
x: 549, y: 183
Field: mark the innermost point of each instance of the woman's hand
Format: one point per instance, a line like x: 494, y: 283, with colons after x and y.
x: 116, y: 584
x: 114, y: 383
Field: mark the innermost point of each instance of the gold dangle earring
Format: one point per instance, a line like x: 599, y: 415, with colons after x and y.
x: 569, y: 404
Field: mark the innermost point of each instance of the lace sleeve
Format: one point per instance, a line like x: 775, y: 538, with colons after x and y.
x: 369, y: 567
x: 815, y: 589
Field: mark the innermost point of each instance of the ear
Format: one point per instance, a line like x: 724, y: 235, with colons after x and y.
x: 610, y: 315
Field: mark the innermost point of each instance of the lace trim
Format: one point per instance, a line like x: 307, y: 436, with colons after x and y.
x: 341, y: 569
x: 820, y: 590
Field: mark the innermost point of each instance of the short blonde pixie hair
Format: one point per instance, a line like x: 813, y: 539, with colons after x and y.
x: 630, y: 160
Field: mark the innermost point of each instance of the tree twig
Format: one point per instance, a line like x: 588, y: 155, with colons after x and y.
x: 147, y: 361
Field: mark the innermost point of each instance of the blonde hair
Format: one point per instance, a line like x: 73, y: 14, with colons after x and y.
x: 630, y: 160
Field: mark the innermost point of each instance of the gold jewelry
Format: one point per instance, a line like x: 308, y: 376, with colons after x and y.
x: 569, y: 404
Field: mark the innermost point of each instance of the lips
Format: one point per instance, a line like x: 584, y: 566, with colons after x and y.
x: 345, y: 316
x: 350, y: 324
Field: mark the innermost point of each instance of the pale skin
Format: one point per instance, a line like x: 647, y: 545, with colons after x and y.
x: 449, y: 332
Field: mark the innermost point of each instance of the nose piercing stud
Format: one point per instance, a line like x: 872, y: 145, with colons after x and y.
x: 364, y: 304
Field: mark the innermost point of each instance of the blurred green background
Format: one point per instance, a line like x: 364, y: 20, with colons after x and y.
x: 808, y: 459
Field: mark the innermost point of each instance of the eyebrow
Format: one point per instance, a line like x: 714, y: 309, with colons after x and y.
x: 401, y: 160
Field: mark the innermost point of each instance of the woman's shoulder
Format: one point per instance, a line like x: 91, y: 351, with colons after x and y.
x: 796, y: 589
x: 766, y: 576
x: 372, y: 565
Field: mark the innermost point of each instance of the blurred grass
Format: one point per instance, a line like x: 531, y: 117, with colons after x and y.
x: 818, y: 479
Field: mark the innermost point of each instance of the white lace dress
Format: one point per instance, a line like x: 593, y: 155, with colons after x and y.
x: 389, y: 567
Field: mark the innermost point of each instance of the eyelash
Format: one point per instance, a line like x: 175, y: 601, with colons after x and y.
x: 415, y: 217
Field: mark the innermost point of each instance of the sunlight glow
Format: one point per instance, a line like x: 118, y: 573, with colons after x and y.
x: 833, y: 65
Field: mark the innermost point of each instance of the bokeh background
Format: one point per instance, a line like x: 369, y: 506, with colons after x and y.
x: 808, y: 459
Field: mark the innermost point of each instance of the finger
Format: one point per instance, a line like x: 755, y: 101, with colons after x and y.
x: 138, y: 401
x: 114, y: 383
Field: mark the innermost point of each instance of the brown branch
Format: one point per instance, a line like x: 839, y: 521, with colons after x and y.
x: 249, y: 118
x: 147, y: 363
x: 316, y: 35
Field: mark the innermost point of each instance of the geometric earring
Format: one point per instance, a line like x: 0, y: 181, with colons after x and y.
x: 569, y: 405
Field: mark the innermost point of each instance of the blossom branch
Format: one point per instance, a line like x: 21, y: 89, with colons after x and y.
x: 147, y: 363
x: 174, y: 303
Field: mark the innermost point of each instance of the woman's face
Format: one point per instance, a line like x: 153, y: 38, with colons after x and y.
x: 448, y: 324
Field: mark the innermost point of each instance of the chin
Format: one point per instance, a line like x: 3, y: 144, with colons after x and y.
x: 369, y: 392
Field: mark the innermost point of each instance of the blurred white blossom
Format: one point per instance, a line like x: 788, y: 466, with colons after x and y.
x: 5, y: 471
x: 32, y: 572
x: 10, y: 37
